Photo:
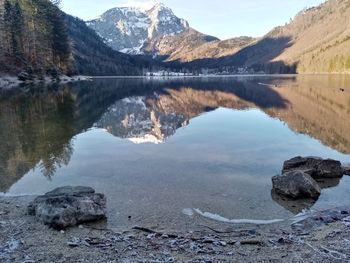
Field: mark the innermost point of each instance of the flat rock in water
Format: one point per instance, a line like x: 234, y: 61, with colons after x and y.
x: 317, y: 168
x: 69, y: 206
x: 296, y: 185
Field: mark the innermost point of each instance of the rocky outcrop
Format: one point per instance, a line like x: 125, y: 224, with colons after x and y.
x: 128, y: 29
x: 317, y: 168
x: 69, y: 206
x: 296, y: 185
x: 303, y: 178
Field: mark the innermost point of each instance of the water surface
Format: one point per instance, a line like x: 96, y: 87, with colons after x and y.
x: 158, y: 146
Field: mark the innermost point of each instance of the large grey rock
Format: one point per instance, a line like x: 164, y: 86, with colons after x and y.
x: 296, y: 185
x: 317, y: 168
x: 69, y: 206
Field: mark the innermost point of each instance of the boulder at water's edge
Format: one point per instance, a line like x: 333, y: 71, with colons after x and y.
x: 69, y: 206
x: 296, y: 185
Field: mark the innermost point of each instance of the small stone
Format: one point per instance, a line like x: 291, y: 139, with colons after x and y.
x: 223, y: 243
x: 151, y: 236
x: 71, y: 244
x: 74, y: 243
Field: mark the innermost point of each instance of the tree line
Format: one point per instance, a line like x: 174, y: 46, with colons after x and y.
x: 33, y: 37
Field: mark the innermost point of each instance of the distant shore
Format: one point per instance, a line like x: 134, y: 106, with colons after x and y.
x: 24, y: 239
x: 9, y: 81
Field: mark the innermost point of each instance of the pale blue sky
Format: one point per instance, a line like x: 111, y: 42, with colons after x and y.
x: 220, y: 18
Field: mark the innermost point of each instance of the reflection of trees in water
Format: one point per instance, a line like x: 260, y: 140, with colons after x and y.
x: 61, y: 157
x: 37, y: 124
x: 318, y: 108
x: 38, y: 129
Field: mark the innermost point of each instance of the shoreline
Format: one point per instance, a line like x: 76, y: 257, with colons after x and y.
x: 24, y: 239
x: 9, y: 81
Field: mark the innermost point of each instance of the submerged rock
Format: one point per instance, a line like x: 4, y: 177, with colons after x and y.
x: 69, y: 206
x: 292, y: 205
x: 296, y: 185
x: 317, y: 168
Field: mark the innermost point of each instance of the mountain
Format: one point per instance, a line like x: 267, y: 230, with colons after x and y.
x: 91, y: 56
x: 156, y: 32
x: 128, y: 29
x: 191, y: 45
x: 317, y: 40
x: 50, y: 42
x: 179, y: 47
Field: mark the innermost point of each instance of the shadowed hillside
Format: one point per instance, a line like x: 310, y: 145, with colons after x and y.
x: 316, y: 41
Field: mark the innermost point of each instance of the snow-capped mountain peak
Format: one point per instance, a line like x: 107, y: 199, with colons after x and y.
x: 128, y: 29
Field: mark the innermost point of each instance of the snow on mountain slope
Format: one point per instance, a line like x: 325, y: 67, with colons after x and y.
x: 128, y: 29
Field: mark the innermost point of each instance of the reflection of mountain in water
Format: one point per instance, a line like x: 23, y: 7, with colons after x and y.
x: 131, y: 118
x: 37, y: 124
x: 309, y: 105
x: 317, y: 107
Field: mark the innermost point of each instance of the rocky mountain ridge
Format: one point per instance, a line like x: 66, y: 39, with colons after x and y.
x: 128, y: 29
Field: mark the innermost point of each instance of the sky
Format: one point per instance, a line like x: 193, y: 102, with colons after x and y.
x: 221, y: 18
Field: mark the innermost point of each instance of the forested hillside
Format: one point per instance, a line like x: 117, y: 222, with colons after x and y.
x: 37, y: 38
x: 33, y: 37
x: 91, y: 56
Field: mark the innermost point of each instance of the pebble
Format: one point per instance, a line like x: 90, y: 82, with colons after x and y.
x: 74, y: 243
x: 223, y: 243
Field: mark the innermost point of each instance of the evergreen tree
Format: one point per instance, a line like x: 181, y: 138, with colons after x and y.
x: 17, y: 31
x: 7, y: 25
x: 60, y: 40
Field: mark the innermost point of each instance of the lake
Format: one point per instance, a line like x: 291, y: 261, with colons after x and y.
x: 160, y: 148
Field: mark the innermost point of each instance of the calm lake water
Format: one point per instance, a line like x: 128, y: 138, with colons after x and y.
x: 157, y: 147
